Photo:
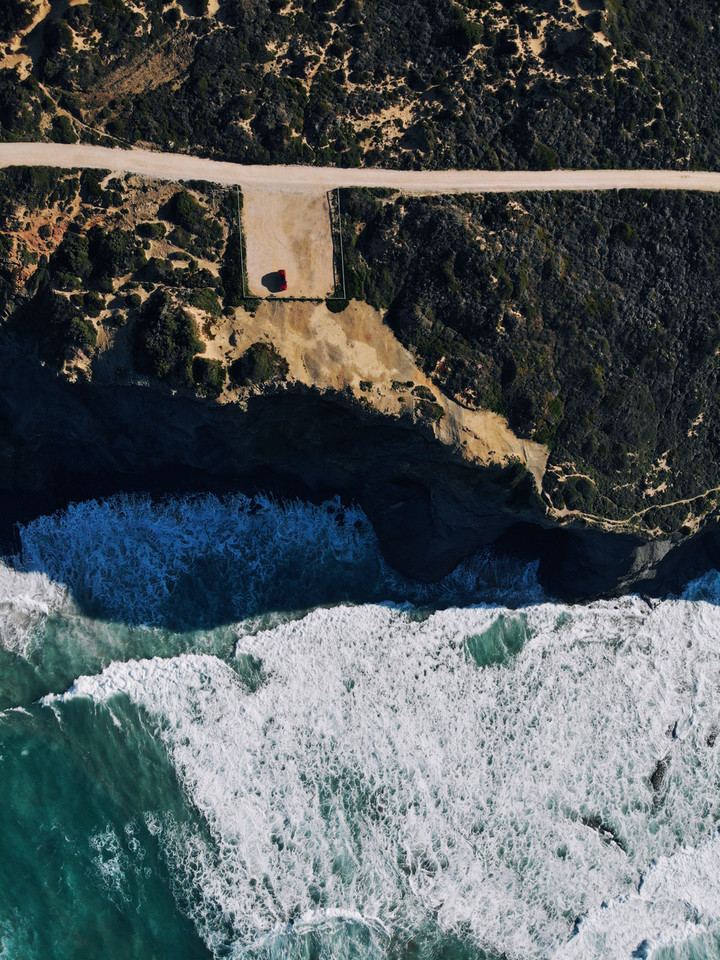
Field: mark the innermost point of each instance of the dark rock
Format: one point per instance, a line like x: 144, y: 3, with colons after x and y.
x: 62, y: 442
x: 657, y: 778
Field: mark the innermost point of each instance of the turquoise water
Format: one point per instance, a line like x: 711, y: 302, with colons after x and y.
x: 229, y: 730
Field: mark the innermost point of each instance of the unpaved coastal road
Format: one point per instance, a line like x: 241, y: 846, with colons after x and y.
x: 297, y: 179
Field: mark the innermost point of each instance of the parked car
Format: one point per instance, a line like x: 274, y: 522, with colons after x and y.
x: 282, y: 280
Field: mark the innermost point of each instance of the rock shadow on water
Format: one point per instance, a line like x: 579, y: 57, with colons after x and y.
x: 205, y: 561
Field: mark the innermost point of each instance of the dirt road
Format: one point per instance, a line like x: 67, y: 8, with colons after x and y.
x: 297, y: 179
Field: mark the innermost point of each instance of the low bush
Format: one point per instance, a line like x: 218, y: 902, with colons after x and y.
x: 167, y: 340
x: 337, y: 306
x: 206, y: 299
x: 209, y: 376
x: 429, y: 410
x: 62, y: 130
x: 232, y: 272
x: 153, y: 231
x: 260, y: 364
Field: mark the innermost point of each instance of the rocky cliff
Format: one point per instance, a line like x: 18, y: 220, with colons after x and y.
x: 63, y: 441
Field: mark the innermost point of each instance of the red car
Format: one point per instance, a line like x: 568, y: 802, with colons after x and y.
x: 282, y: 280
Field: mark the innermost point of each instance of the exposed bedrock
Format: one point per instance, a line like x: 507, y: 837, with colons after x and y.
x: 62, y: 442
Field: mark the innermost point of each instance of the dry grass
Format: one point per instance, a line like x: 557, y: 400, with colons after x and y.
x: 147, y: 72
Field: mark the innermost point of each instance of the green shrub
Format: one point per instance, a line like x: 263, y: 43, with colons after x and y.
x: 14, y: 16
x: 167, y: 340
x: 423, y: 392
x: 464, y: 34
x: 93, y: 304
x: 62, y: 130
x: 58, y: 327
x: 206, y: 299
x: 153, y: 231
x: 194, y: 230
x: 337, y: 306
x: 186, y: 212
x: 72, y: 257
x: 81, y: 334
x: 543, y: 157
x: 232, y: 272
x: 113, y: 253
x: 623, y: 233
x: 209, y: 375
x: 260, y: 363
x: 429, y: 410
x: 92, y: 186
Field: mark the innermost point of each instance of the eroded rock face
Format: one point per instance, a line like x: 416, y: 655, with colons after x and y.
x: 61, y: 442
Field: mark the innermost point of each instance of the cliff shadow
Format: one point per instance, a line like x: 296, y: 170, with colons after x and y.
x: 215, y: 560
x: 183, y: 531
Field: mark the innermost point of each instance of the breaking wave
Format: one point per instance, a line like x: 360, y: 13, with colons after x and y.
x: 533, y: 783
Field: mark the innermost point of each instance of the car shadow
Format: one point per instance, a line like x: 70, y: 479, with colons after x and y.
x: 271, y: 282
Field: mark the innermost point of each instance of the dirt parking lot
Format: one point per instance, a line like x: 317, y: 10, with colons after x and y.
x: 292, y: 232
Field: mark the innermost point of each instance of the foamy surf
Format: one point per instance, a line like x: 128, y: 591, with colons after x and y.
x: 204, y: 560
x: 26, y: 599
x: 537, y: 784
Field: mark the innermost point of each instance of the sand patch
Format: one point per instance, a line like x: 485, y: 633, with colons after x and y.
x: 355, y: 352
x: 292, y: 232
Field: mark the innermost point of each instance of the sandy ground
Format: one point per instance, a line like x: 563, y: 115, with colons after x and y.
x: 298, y: 179
x: 354, y: 350
x: 288, y: 231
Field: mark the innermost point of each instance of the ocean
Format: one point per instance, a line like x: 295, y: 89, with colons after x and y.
x: 228, y: 729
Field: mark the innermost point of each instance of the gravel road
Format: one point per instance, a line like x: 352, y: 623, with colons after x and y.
x: 298, y: 179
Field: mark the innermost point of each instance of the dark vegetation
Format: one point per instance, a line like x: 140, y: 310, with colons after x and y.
x: 34, y: 188
x: 195, y: 232
x: 60, y: 327
x: 260, y: 364
x: 167, y: 342
x: 95, y: 258
x: 336, y: 305
x: 96, y: 270
x: 62, y: 130
x: 209, y: 375
x: 22, y: 107
x: 590, y: 320
x: 232, y: 271
x: 480, y: 96
x: 14, y: 16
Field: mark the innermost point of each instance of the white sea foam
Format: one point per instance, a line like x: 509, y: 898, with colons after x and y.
x: 110, y: 861
x: 26, y: 598
x: 677, y: 902
x: 221, y: 560
x: 374, y: 771
x: 137, y: 560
